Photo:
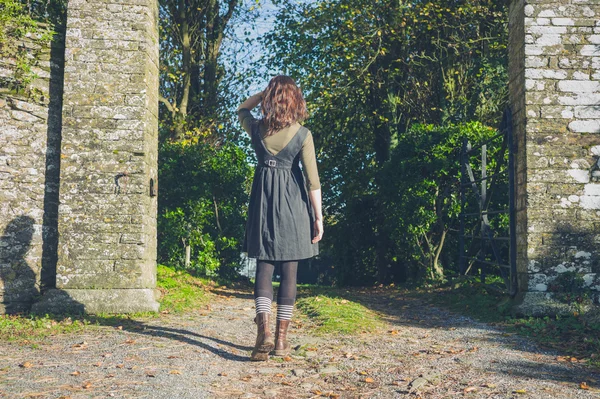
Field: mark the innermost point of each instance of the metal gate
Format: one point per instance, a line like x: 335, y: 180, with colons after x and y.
x: 487, y: 241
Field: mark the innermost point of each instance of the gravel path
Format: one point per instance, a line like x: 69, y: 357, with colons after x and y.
x: 422, y: 352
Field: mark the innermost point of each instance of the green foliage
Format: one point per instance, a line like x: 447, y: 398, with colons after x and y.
x: 424, y: 204
x: 16, y: 24
x: 420, y: 208
x: 202, y: 203
x: 372, y: 70
x: 180, y: 290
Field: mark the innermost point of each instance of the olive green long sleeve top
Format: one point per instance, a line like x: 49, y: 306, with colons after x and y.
x: 277, y: 141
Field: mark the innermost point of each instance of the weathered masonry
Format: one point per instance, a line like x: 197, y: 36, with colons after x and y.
x: 554, y: 68
x: 78, y: 173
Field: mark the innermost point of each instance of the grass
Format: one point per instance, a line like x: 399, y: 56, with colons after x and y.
x: 334, y: 314
x: 575, y: 336
x: 180, y: 292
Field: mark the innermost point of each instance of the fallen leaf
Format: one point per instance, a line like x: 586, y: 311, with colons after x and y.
x: 26, y: 365
x: 369, y: 380
x: 109, y: 376
x: 470, y: 389
x: 222, y: 374
x: 362, y: 372
x: 488, y: 385
x: 287, y: 358
x: 311, y: 349
x: 393, y: 332
x: 81, y: 345
x: 87, y: 385
x: 246, y: 378
x: 521, y: 391
x: 75, y: 373
x: 172, y: 357
x: 279, y: 375
x: 130, y: 341
x: 150, y: 374
x: 98, y: 364
x: 584, y: 385
x: 316, y: 392
x: 344, y: 301
x: 174, y: 372
x: 120, y: 366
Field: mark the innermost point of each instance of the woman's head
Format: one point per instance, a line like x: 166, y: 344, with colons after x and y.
x: 282, y: 104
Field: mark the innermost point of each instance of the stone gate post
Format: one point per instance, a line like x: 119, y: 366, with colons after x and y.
x: 107, y: 211
x: 554, y: 69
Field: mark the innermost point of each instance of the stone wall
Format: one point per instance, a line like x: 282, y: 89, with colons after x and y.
x: 555, y: 96
x: 30, y: 127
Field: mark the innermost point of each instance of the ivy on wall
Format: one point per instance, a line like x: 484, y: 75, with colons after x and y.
x: 21, y: 29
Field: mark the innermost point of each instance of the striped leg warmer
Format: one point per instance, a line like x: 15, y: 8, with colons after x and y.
x: 284, y: 312
x: 263, y: 305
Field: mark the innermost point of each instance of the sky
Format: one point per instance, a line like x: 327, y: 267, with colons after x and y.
x: 264, y: 15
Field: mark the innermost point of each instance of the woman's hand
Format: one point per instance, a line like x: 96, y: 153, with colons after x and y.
x: 315, y: 200
x: 252, y: 101
x: 318, y: 231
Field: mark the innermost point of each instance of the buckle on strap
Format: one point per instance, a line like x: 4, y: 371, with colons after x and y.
x: 271, y: 162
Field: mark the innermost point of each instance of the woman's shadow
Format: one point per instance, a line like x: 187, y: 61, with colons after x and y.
x: 19, y: 287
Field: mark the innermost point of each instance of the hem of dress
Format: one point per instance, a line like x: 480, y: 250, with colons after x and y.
x: 281, y: 259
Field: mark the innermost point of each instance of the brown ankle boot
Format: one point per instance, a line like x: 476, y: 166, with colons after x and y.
x: 264, y: 338
x: 282, y: 346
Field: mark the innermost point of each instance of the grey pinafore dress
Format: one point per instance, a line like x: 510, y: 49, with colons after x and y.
x: 280, y: 217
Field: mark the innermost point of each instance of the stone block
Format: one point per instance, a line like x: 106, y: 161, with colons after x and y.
x: 585, y: 126
x: 95, y: 301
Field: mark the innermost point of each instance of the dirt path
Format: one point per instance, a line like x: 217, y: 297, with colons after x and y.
x: 423, y: 352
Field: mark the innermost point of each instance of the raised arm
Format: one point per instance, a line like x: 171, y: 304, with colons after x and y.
x: 244, y: 115
x: 251, y: 102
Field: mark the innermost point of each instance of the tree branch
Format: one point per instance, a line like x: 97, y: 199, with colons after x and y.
x: 167, y: 104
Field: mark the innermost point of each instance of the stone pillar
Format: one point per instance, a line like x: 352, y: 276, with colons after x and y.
x: 107, y: 213
x: 554, y: 71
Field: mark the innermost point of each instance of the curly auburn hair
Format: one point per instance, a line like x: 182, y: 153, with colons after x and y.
x: 282, y: 104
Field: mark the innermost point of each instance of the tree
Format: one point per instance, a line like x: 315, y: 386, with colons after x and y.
x: 192, y: 33
x: 373, y: 69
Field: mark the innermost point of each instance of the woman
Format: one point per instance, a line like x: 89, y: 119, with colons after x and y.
x: 285, y: 222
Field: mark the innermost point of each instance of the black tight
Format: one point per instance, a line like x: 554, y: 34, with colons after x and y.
x: 263, y: 286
